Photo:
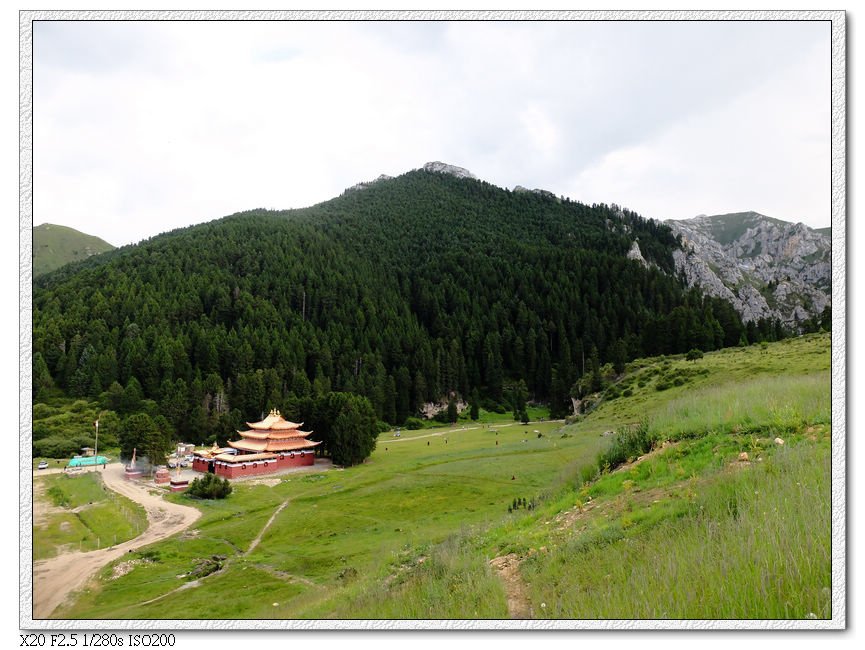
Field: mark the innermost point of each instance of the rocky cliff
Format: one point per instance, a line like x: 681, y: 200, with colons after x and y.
x: 766, y: 267
x: 444, y: 168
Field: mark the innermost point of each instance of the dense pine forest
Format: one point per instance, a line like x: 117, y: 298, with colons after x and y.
x: 413, y: 290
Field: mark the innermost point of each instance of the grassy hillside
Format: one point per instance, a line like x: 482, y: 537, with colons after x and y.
x: 54, y: 246
x: 727, y: 228
x: 684, y: 530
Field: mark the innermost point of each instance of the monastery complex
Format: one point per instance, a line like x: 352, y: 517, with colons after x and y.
x: 268, y: 446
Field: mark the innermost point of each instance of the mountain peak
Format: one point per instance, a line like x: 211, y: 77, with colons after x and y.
x: 444, y: 168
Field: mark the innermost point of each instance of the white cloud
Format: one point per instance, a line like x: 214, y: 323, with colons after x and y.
x: 143, y: 127
x: 767, y: 149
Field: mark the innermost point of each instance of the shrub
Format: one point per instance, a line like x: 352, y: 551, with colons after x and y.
x: 694, y: 354
x: 588, y: 473
x: 209, y: 486
x: 629, y: 443
x: 55, y: 447
x: 412, y: 424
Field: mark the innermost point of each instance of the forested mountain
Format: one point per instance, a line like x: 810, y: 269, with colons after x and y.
x: 405, y: 291
x: 54, y: 246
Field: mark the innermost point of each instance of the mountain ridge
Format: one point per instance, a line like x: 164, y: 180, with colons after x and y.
x: 413, y: 289
x: 766, y: 267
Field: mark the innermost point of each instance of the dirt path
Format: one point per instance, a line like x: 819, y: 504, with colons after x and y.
x: 197, y: 583
x: 42, y: 506
x: 490, y: 427
x: 264, y: 529
x: 54, y: 579
x: 508, y: 567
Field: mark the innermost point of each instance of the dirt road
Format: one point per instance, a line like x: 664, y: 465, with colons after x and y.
x: 56, y: 578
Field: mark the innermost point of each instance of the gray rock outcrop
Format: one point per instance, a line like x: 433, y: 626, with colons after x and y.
x: 765, y: 267
x: 444, y: 168
x: 366, y: 184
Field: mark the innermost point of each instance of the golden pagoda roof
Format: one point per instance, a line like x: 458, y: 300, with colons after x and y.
x: 273, y: 445
x: 212, y: 452
x: 274, y: 435
x: 274, y: 421
x: 291, y: 445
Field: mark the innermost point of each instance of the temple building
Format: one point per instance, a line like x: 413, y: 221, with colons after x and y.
x: 268, y: 446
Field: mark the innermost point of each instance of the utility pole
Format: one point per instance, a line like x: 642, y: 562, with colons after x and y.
x: 96, y: 446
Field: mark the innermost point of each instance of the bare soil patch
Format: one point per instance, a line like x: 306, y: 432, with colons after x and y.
x: 508, y: 568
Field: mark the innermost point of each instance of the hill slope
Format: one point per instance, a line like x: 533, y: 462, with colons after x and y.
x: 404, y: 291
x: 54, y: 246
x: 410, y: 535
x: 766, y: 267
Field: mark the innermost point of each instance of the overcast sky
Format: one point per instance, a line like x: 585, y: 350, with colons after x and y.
x: 142, y: 127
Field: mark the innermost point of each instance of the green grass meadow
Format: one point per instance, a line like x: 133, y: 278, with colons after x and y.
x: 689, y: 531
x: 85, y: 516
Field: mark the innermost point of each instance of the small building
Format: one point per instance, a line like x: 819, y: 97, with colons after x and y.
x: 268, y: 446
x: 203, y: 461
x: 87, y: 451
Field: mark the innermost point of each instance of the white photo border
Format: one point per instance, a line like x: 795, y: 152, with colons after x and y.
x: 837, y: 19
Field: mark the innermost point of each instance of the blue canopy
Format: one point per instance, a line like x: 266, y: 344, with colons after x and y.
x: 86, y: 461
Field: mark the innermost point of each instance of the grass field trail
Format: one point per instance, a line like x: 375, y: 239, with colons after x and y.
x: 266, y: 526
x: 508, y: 568
x: 54, y: 579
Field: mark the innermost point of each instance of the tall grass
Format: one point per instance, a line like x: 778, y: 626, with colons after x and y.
x: 771, y: 404
x: 630, y: 442
x: 453, y: 582
x: 756, y: 544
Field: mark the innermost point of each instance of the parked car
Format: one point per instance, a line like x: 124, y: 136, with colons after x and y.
x: 43, y: 465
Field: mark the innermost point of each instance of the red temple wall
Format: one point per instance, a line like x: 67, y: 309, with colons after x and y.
x: 254, y: 468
